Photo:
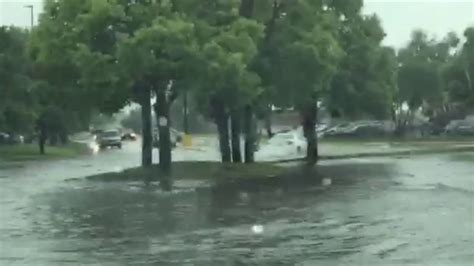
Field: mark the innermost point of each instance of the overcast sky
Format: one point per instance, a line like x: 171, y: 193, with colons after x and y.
x: 399, y: 17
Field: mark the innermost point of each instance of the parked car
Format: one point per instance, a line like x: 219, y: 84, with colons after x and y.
x: 30, y: 138
x: 358, y: 129
x: 336, y: 130
x: 17, y: 139
x: 460, y: 127
x: 4, y: 138
x: 109, y: 138
x: 290, y: 139
x: 320, y: 128
x: 368, y: 130
x: 466, y: 130
x: 129, y: 136
x: 451, y: 126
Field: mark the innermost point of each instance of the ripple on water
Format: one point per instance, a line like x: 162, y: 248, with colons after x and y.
x: 385, y: 247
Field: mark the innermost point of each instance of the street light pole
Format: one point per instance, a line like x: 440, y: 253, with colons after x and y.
x: 31, y: 7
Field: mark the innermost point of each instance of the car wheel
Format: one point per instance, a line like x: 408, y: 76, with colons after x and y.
x: 119, y: 146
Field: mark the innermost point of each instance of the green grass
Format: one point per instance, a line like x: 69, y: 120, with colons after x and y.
x: 390, y: 139
x: 29, y: 152
x: 205, y: 171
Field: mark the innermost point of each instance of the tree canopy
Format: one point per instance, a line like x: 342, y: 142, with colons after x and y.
x: 234, y: 58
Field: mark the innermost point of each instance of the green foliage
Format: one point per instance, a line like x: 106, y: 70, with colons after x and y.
x: 366, y: 74
x: 89, y: 56
x: 420, y: 69
x: 133, y: 120
x: 162, y: 52
x: 226, y: 59
x: 304, y: 53
x: 458, y: 74
x: 17, y: 104
x: 418, y: 82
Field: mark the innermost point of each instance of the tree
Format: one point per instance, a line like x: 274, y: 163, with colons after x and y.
x: 17, y: 104
x: 80, y: 40
x: 225, y: 84
x: 364, y: 84
x: 420, y: 83
x: 303, y: 57
x: 229, y: 84
x: 458, y: 74
x: 162, y: 55
x: 72, y: 50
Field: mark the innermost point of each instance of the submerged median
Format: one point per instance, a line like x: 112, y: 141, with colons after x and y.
x: 201, y: 171
x: 216, y: 172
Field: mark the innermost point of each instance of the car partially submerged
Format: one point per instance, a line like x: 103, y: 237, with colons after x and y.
x: 291, y: 139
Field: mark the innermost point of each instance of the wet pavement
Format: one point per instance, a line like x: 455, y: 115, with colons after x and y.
x: 390, y: 211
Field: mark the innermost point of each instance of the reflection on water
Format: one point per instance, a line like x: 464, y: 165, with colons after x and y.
x: 369, y: 214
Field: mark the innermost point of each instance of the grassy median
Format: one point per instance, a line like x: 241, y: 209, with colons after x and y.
x: 30, y: 152
x: 206, y: 171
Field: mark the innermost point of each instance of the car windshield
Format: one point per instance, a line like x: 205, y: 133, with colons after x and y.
x: 237, y: 132
x: 109, y: 134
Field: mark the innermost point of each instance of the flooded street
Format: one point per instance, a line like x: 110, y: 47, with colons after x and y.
x: 386, y: 211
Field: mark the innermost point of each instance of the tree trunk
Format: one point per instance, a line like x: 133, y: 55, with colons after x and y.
x: 63, y: 137
x: 236, y: 129
x: 222, y: 121
x: 223, y: 128
x: 309, y: 124
x: 53, y: 139
x: 162, y: 109
x: 249, y: 131
x: 468, y: 78
x: 147, y: 138
x: 185, y: 114
x: 42, y: 140
x: 268, y: 122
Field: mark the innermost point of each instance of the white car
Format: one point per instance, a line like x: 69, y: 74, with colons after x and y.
x: 292, y: 139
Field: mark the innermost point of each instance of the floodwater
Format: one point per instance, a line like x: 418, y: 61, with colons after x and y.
x: 391, y: 211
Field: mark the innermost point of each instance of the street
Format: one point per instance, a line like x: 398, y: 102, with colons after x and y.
x: 387, y: 211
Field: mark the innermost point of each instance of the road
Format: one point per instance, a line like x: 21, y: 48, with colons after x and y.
x: 416, y: 211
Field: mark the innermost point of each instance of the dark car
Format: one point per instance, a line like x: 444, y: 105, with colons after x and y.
x: 460, y: 127
x: 129, y: 136
x: 465, y: 130
x: 4, y: 138
x: 358, y: 130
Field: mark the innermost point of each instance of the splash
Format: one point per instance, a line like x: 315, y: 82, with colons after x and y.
x: 94, y: 148
x: 257, y: 229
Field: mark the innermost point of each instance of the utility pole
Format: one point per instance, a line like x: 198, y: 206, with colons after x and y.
x: 31, y: 7
x: 185, y: 113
